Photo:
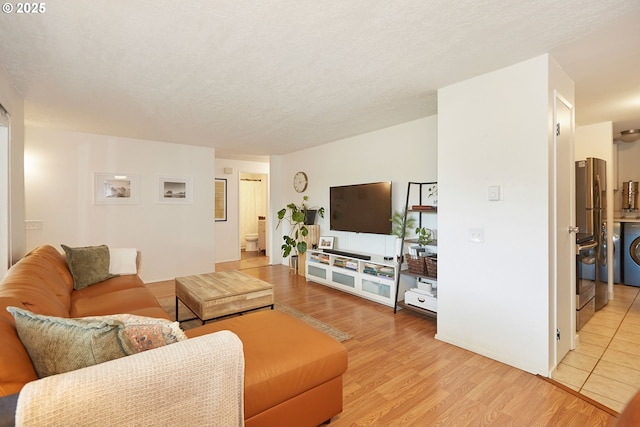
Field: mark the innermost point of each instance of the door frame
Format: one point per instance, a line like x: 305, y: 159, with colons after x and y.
x: 559, y: 288
x: 5, y: 191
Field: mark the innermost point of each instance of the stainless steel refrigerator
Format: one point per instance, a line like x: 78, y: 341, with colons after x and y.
x: 591, y: 203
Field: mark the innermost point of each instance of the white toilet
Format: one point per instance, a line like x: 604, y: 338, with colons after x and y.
x: 252, y: 242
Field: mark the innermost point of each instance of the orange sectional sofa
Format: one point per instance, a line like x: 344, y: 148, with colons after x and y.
x: 292, y: 372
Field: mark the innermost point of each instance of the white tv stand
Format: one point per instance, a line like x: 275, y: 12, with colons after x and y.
x: 372, y: 279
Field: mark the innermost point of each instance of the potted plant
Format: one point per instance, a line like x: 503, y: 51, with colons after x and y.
x: 295, y: 215
x: 425, y: 236
x: 399, y: 228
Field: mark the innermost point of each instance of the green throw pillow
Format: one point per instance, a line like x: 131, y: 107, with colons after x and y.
x: 88, y: 265
x: 57, y: 344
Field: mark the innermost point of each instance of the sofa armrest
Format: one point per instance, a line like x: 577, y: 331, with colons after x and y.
x: 199, y: 381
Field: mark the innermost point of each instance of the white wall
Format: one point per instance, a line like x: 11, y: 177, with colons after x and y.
x: 493, y: 297
x: 174, y: 239
x: 14, y: 104
x: 402, y: 153
x: 228, y: 232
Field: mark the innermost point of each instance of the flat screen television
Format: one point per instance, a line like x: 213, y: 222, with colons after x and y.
x: 361, y: 208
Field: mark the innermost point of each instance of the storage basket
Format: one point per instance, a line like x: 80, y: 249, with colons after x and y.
x: 431, y: 263
x: 416, y: 264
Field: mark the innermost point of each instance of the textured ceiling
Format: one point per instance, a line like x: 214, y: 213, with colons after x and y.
x: 260, y: 77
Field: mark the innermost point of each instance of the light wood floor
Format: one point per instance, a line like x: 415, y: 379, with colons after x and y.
x: 400, y: 375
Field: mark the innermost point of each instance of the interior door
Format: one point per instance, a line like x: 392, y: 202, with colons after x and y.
x: 565, y: 239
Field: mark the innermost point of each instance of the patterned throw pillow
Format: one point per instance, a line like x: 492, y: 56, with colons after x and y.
x: 146, y: 333
x: 57, y: 344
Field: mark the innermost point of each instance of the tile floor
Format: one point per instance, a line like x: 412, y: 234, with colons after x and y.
x: 605, y: 365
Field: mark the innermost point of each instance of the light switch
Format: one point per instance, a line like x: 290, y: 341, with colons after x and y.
x: 494, y: 193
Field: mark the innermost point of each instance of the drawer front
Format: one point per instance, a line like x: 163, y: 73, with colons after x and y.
x: 422, y: 301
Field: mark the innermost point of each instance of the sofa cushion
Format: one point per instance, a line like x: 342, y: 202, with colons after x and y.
x: 146, y: 333
x: 102, y: 299
x: 88, y: 265
x: 56, y: 344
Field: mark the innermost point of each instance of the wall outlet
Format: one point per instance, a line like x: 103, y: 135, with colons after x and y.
x: 476, y: 235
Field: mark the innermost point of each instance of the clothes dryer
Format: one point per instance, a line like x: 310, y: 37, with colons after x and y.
x: 631, y: 259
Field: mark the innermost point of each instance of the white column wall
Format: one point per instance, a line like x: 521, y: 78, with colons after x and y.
x: 493, y: 297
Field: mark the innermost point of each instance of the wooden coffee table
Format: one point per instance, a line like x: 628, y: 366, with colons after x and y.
x: 214, y: 295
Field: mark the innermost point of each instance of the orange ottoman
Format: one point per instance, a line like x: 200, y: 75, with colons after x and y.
x: 293, y: 372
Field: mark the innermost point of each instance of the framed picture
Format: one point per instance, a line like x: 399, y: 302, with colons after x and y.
x: 326, y: 242
x: 220, y: 208
x: 175, y: 190
x: 115, y: 189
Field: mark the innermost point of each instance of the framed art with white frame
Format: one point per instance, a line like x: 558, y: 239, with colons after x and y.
x: 175, y: 190
x: 116, y: 189
x: 325, y: 242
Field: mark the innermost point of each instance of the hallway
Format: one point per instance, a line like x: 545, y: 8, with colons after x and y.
x: 605, y: 366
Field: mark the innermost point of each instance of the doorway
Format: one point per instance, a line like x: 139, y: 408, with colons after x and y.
x: 253, y: 203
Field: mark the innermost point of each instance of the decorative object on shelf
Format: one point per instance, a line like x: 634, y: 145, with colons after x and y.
x: 433, y: 193
x: 295, y: 216
x: 416, y: 264
x: 431, y: 262
x: 300, y: 182
x: 326, y: 242
x: 425, y: 236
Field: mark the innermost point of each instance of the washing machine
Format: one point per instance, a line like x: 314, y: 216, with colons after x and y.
x: 631, y: 257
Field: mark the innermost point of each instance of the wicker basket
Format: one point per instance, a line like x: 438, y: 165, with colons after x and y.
x: 431, y: 263
x: 416, y: 264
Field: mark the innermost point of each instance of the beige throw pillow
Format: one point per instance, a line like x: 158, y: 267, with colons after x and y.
x: 56, y: 344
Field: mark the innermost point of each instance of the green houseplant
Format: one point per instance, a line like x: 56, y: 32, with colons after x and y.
x: 398, y: 228
x: 295, y: 215
x: 425, y: 236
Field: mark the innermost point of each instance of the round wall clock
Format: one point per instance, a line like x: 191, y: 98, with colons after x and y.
x: 300, y: 181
